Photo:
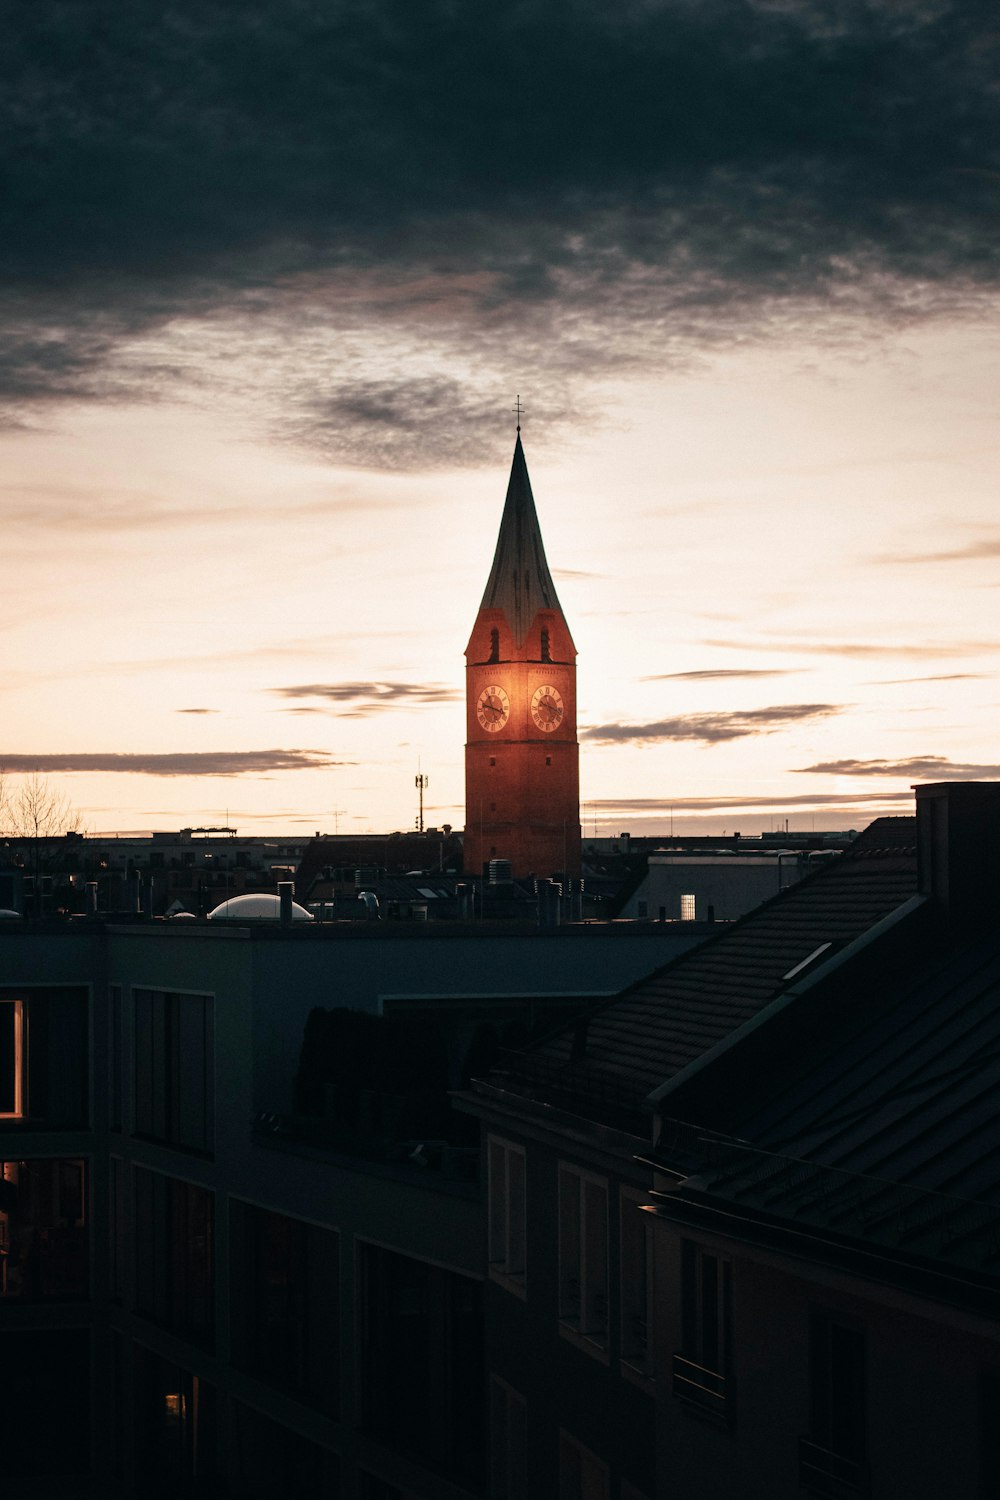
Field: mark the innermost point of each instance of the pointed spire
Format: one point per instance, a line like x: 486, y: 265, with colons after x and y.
x: 520, y: 582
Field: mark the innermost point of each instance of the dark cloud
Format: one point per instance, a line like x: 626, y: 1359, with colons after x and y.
x: 505, y: 187
x: 915, y: 768
x: 709, y: 674
x: 176, y: 763
x: 659, y: 807
x: 364, y: 698
x: 713, y: 729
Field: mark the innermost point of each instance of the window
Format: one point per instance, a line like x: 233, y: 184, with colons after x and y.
x: 494, y: 645
x: 116, y: 1229
x: 12, y: 1060
x: 636, y: 1282
x: 583, y: 1254
x: 270, y: 1461
x: 43, y: 1230
x: 44, y: 1056
x: 831, y: 1458
x: 688, y: 909
x: 507, y: 1213
x: 45, y: 1393
x: 115, y: 1057
x: 175, y: 1429
x: 582, y: 1475
x: 701, y: 1369
x: 629, y: 1491
x: 174, y: 1069
x: 174, y: 1254
x: 285, y: 1293
x: 546, y: 648
x: 422, y: 1376
x: 508, y: 1442
x: 989, y: 1432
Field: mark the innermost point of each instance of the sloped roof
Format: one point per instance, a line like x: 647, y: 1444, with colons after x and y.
x: 520, y: 582
x: 891, y: 1135
x: 665, y: 1022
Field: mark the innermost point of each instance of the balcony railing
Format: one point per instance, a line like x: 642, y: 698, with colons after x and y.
x: 822, y: 1472
x: 704, y: 1389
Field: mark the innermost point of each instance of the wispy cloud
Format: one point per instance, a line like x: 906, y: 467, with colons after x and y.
x: 196, y: 710
x: 914, y: 768
x: 981, y: 549
x: 175, y: 763
x: 929, y: 650
x: 709, y: 674
x: 934, y: 677
x: 713, y: 729
x: 363, y: 698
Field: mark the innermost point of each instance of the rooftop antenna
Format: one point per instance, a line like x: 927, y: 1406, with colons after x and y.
x: 518, y: 409
x: 420, y: 782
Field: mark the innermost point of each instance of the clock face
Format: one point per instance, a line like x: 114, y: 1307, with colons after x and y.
x: 546, y: 708
x: 493, y: 708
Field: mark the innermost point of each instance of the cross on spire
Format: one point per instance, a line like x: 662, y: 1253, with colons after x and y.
x: 518, y: 408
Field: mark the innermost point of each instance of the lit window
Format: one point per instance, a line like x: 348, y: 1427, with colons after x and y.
x: 507, y: 1213
x: 43, y: 1233
x: 12, y: 1079
x: 687, y: 909
x: 583, y: 1254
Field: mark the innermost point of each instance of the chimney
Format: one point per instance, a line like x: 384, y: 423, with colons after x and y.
x: 958, y: 848
x: 285, y: 889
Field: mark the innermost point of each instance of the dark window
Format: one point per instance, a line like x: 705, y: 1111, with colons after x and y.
x: 270, y: 1461
x: 43, y: 1230
x: 546, y: 650
x: 493, y: 760
x: 115, y: 1049
x: 173, y: 1254
x: 422, y: 1375
x: 701, y: 1369
x: 548, y: 760
x: 45, y: 1401
x: 285, y: 1290
x: 494, y: 645
x: 174, y: 1069
x: 831, y: 1458
x: 989, y: 1434
x: 44, y: 1056
x: 175, y: 1430
x: 116, y: 1229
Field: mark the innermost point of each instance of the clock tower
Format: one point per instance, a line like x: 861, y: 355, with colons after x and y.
x: 522, y: 776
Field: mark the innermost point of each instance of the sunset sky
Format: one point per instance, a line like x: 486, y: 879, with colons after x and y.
x: 273, y: 274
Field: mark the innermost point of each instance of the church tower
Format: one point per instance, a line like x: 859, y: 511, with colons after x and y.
x: 522, y: 776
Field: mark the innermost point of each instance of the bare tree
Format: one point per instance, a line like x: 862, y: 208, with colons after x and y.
x: 36, y: 810
x: 34, y: 819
